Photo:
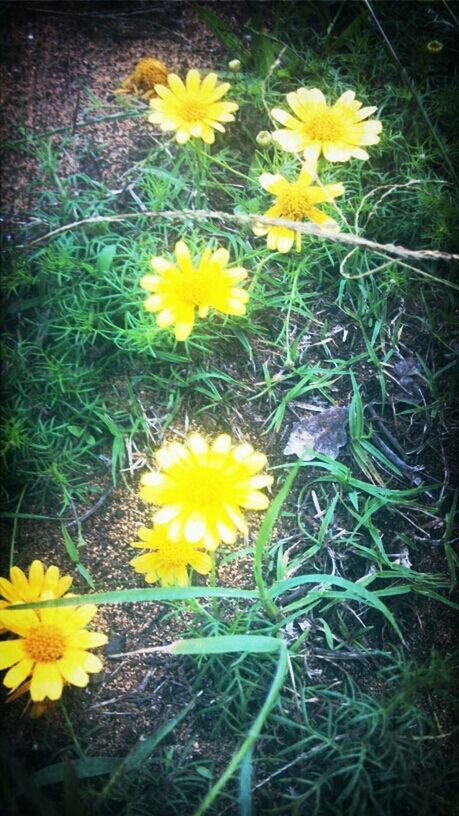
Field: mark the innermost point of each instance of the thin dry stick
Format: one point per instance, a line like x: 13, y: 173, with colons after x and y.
x: 305, y: 229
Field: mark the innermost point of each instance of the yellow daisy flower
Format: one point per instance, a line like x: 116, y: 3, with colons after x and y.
x: 23, y: 589
x: 338, y: 131
x: 147, y: 73
x: 201, y: 488
x: 295, y: 200
x: 169, y: 561
x: 179, y: 289
x: 192, y: 108
x: 51, y: 649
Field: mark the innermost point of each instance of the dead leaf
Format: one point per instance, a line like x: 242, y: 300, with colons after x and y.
x: 407, y: 372
x: 323, y: 433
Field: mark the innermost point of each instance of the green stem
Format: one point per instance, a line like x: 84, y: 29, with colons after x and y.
x: 71, y: 731
x: 14, y: 532
x: 288, y: 358
x: 200, y: 174
x: 213, y: 583
x: 263, y: 538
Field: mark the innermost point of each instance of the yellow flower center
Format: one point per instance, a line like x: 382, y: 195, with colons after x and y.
x: 294, y: 201
x: 45, y: 643
x: 194, y: 289
x: 207, y: 486
x: 327, y: 126
x: 191, y: 110
x: 173, y: 557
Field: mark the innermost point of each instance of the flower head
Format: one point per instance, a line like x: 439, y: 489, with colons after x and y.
x: 434, y: 46
x: 179, y: 289
x: 192, y: 108
x: 147, y: 73
x: 169, y: 560
x: 295, y: 201
x: 263, y: 138
x: 337, y: 131
x: 40, y: 582
x: 234, y: 65
x: 201, y: 489
x: 51, y: 649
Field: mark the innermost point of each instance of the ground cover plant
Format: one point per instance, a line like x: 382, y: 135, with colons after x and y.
x: 229, y: 375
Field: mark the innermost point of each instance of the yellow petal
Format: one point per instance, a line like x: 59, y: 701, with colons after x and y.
x: 92, y: 663
x: 182, y: 253
x: 16, y: 675
x: 73, y: 672
x: 86, y: 640
x: 46, y: 682
x: 195, y: 527
x: 290, y: 140
x: 36, y: 575
x: 193, y: 81
x: 11, y: 651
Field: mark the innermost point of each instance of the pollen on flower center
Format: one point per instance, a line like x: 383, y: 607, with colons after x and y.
x: 194, y: 289
x: 193, y: 111
x: 325, y: 127
x: 207, y: 485
x: 45, y: 643
x: 294, y: 202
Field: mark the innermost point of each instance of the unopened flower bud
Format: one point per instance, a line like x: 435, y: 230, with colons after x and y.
x: 234, y: 65
x: 434, y: 46
x: 263, y: 138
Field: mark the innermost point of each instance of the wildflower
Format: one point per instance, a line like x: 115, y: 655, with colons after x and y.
x: 169, y: 561
x: 263, y: 138
x: 295, y: 201
x: 192, y: 108
x: 234, y: 65
x: 202, y: 487
x: 434, y: 46
x: 147, y: 73
x: 179, y: 289
x: 338, y: 131
x: 23, y: 589
x: 51, y: 649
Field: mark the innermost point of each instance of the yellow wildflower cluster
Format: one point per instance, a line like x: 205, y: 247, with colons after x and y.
x: 200, y: 489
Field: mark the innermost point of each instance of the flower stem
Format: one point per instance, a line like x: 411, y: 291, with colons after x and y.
x: 71, y: 731
x: 200, y: 175
x: 213, y: 582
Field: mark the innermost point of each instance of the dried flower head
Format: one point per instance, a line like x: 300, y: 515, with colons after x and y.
x: 201, y: 488
x: 192, y: 108
x: 337, y: 131
x: 147, y: 73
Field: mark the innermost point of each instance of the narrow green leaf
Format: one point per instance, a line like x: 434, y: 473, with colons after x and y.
x: 145, y: 595
x: 83, y: 768
x: 245, y: 785
x: 105, y: 258
x: 70, y: 546
x: 351, y: 590
x: 222, y: 644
